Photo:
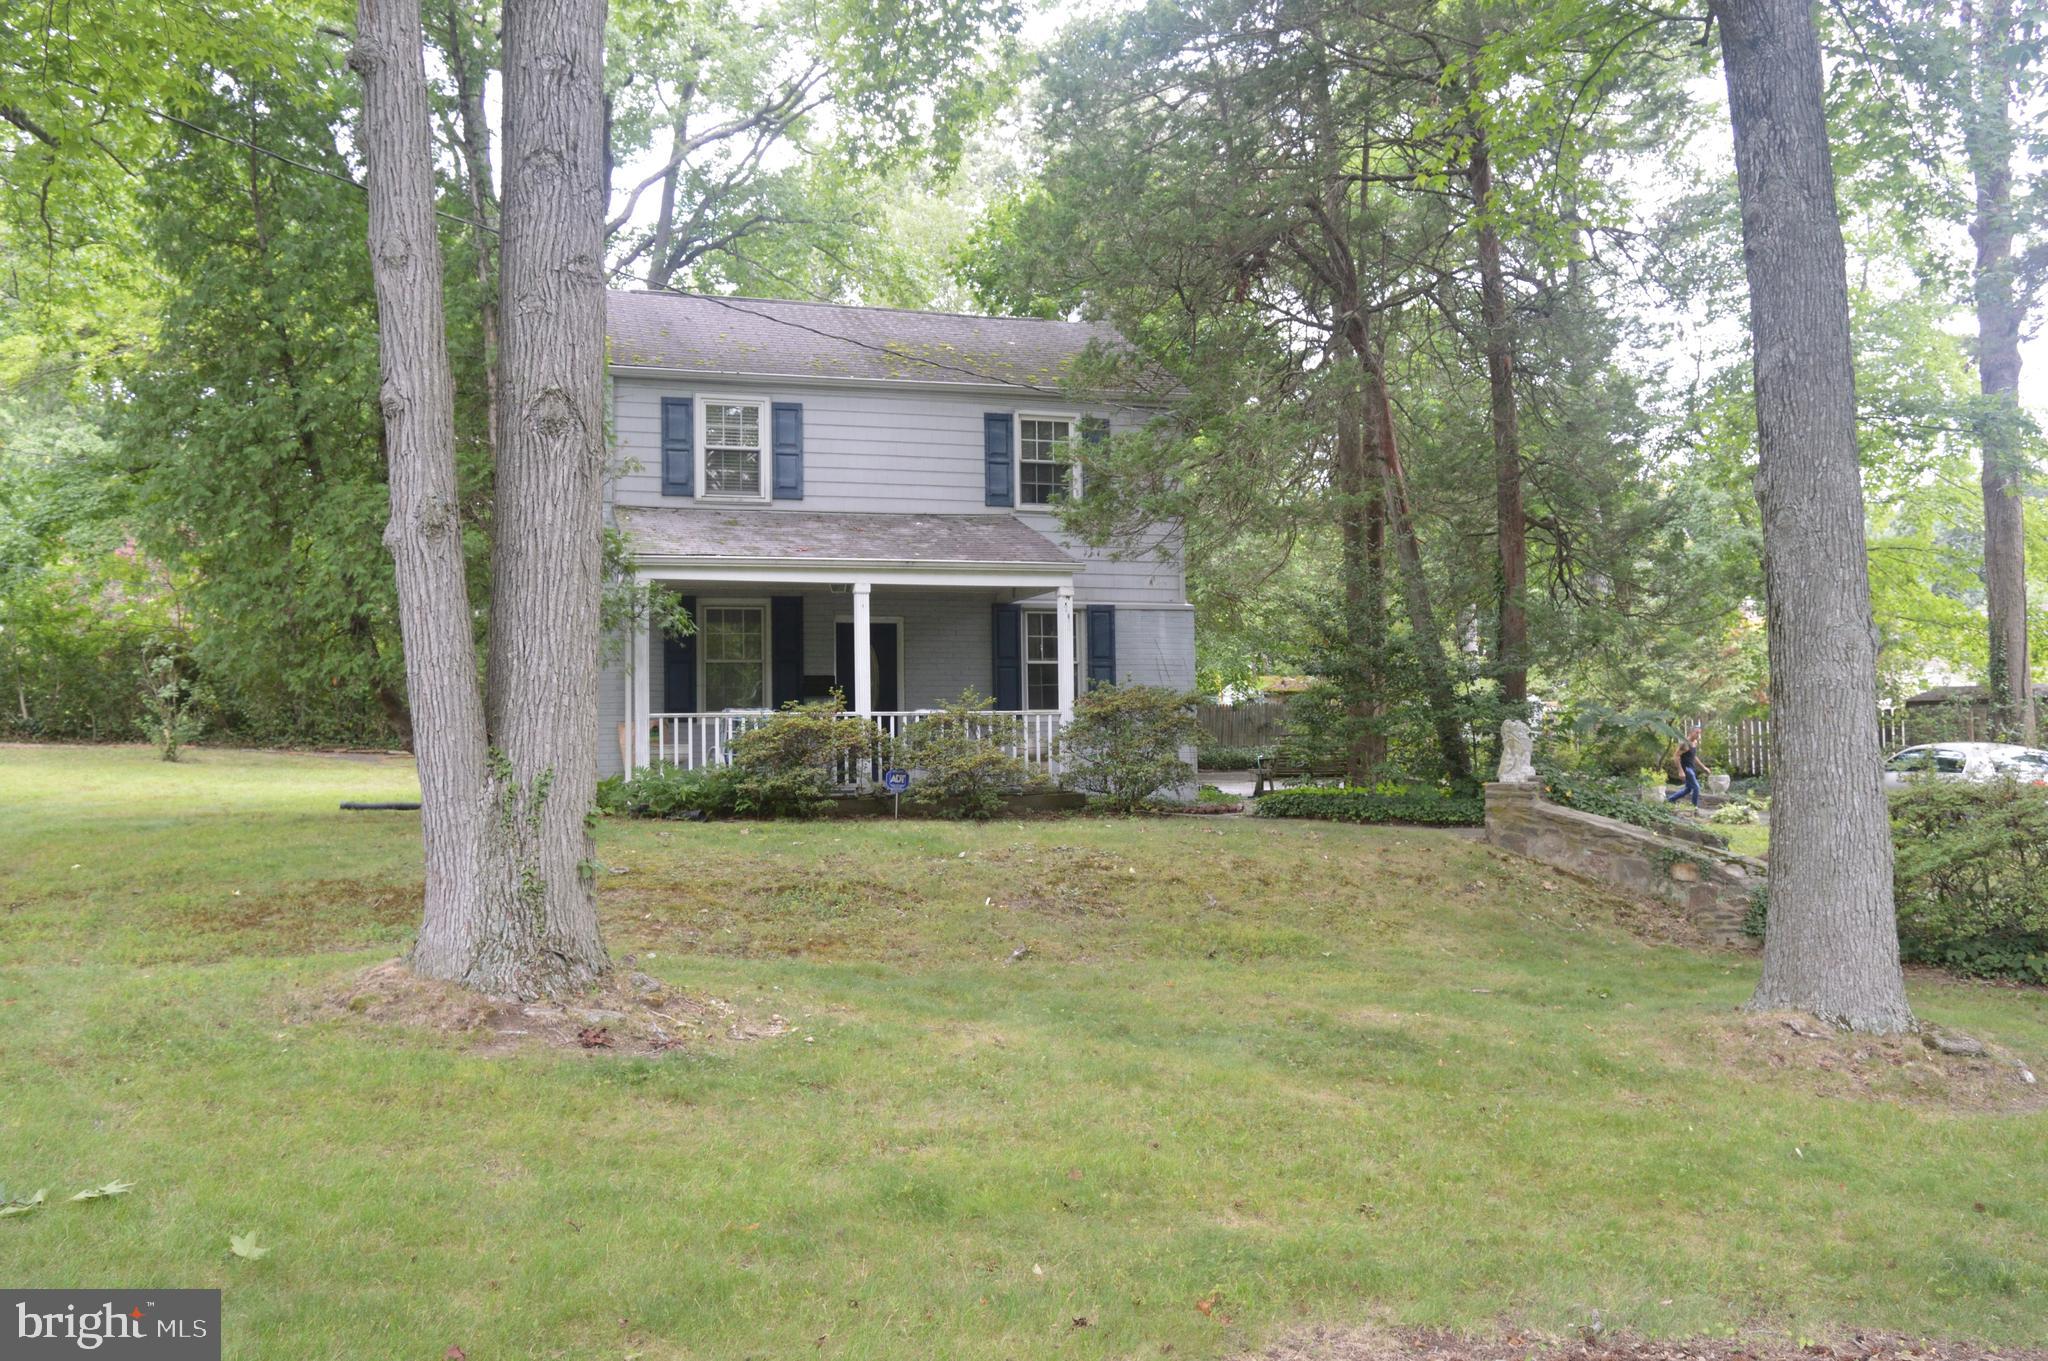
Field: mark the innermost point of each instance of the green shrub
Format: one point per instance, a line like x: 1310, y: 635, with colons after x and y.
x: 665, y: 791
x: 1970, y: 877
x: 170, y: 707
x: 1125, y: 742
x: 1434, y: 808
x: 1610, y: 797
x: 789, y: 764
x: 1599, y: 741
x: 1218, y: 756
x: 1758, y: 912
x: 1739, y: 812
x: 962, y: 758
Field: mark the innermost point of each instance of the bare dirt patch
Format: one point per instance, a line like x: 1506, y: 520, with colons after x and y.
x: 1910, y: 1069
x: 1327, y: 1344
x: 632, y: 1014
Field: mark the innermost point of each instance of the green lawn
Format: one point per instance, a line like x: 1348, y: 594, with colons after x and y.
x: 1307, y: 1072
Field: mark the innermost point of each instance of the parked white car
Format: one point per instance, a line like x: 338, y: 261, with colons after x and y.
x: 1976, y: 762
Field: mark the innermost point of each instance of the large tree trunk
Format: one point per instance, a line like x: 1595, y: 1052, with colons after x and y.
x: 541, y: 933
x: 1989, y: 143
x: 1378, y: 428
x: 510, y: 904
x: 474, y: 142
x: 424, y: 533
x: 1359, y: 524
x: 1832, y: 945
x: 1511, y: 529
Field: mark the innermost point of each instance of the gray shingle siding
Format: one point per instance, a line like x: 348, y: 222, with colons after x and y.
x: 886, y: 435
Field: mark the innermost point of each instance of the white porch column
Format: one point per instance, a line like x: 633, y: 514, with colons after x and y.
x: 863, y: 653
x: 1066, y: 654
x: 640, y: 695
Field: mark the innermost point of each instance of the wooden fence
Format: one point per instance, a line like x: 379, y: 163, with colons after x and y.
x: 1258, y: 724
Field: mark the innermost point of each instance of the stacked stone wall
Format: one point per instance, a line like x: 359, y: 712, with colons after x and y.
x: 1711, y: 886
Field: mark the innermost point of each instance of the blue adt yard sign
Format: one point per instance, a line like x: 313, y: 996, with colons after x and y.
x: 896, y: 781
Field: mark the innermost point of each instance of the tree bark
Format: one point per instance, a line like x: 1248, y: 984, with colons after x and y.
x: 475, y: 146
x: 1378, y: 429
x: 1988, y: 142
x: 1359, y: 524
x: 1831, y: 947
x: 510, y: 902
x: 1511, y: 528
x: 541, y: 700
x: 417, y: 397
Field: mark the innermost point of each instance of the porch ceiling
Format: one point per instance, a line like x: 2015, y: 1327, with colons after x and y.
x: 691, y: 535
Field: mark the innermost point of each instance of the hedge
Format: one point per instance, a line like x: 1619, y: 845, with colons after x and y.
x: 1970, y: 879
x: 1338, y: 804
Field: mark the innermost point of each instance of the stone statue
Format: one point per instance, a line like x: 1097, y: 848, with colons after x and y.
x: 1516, y: 767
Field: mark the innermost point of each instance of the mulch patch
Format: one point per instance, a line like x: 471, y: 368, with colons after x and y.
x: 633, y: 1013
x: 1328, y: 1344
x: 1907, y: 1069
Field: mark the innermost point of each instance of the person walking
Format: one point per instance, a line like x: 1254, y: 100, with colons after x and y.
x: 1691, y: 767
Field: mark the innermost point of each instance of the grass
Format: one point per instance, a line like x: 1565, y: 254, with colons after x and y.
x: 1300, y: 1072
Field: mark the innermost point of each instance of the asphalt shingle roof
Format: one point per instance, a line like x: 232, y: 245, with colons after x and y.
x: 716, y: 532
x: 819, y: 340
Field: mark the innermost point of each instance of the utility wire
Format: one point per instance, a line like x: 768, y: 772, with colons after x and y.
x: 731, y: 305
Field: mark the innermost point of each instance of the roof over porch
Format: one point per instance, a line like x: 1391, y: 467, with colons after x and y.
x: 840, y: 543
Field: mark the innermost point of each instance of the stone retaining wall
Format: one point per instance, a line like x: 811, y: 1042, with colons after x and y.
x: 1710, y: 885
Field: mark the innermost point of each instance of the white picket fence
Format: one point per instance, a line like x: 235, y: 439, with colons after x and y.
x: 1748, y: 740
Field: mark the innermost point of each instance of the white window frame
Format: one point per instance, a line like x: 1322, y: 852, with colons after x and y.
x: 902, y: 633
x: 1024, y: 657
x: 764, y: 484
x: 1073, y: 422
x: 767, y: 653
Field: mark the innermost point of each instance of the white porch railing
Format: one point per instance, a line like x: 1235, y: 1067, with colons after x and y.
x: 692, y: 740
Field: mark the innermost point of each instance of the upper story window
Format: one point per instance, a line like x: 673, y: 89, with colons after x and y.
x: 1045, y: 466
x: 733, y: 462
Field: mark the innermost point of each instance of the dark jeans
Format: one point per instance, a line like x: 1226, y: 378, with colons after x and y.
x: 1692, y: 787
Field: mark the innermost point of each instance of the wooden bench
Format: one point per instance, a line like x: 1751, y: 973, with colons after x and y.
x: 1273, y: 769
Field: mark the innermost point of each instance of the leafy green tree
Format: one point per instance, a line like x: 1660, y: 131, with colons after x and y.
x: 761, y: 124
x: 250, y: 430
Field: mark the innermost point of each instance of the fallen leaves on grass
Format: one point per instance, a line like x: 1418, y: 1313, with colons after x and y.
x: 10, y: 1207
x: 632, y: 1013
x: 244, y: 1245
x: 1901, y: 1068
x: 110, y: 1189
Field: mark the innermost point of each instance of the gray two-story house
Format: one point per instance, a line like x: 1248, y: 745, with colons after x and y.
x: 863, y: 501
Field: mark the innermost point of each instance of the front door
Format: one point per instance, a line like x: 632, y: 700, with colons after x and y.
x: 883, y: 675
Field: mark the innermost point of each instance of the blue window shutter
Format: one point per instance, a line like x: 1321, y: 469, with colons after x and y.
x: 1001, y: 465
x: 1009, y: 656
x: 1101, y: 645
x: 788, y: 445
x: 679, y: 666
x: 678, y: 450
x: 786, y: 649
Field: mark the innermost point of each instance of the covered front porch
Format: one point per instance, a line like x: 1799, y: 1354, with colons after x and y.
x: 894, y: 638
